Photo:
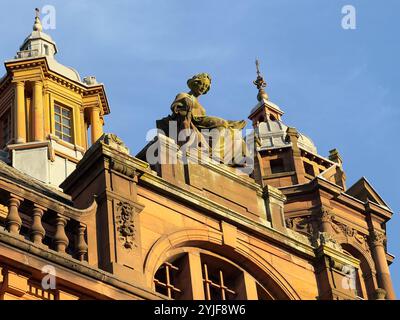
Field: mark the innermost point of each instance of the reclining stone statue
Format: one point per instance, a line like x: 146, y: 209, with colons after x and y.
x: 195, y: 129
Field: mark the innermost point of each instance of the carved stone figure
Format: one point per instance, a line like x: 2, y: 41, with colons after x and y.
x: 191, y: 116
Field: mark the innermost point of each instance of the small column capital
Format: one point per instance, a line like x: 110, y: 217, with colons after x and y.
x: 326, y: 214
x: 377, y: 238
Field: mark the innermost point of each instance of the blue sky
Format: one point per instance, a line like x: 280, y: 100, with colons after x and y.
x: 338, y: 86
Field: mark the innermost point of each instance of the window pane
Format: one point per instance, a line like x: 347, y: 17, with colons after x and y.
x: 58, y: 127
x: 68, y: 139
x: 66, y: 122
x: 66, y: 113
x: 56, y: 109
x: 57, y: 118
x: 58, y: 134
x: 66, y: 131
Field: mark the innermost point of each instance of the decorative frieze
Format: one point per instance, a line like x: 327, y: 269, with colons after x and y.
x: 351, y: 233
x: 123, y: 168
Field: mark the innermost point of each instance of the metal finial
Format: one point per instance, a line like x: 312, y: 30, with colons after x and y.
x: 260, y: 84
x: 37, y: 26
x: 258, y: 67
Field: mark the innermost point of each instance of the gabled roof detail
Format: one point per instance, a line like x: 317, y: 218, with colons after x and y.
x: 364, y: 191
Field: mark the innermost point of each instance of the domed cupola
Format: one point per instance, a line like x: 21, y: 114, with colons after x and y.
x: 37, y: 43
x: 50, y: 116
x: 287, y: 157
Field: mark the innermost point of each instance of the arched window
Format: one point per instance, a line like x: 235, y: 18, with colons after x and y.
x: 206, y: 275
x: 364, y: 285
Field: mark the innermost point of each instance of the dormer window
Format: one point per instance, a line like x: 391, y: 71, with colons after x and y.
x: 63, y: 123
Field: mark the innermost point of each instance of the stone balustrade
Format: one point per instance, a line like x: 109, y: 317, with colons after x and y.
x: 58, y: 231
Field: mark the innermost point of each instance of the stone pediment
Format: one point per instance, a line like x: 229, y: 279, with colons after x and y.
x: 364, y: 191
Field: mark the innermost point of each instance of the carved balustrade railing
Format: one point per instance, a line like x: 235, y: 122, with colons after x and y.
x: 45, y: 227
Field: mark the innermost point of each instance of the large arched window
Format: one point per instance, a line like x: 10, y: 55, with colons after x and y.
x: 205, y: 275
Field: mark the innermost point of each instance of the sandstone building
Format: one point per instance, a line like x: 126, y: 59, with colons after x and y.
x: 114, y: 226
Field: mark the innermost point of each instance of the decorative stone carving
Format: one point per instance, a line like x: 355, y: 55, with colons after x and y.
x: 327, y: 239
x: 123, y: 168
x: 351, y: 233
x: 190, y: 126
x: 326, y: 215
x: 115, y: 142
x: 301, y: 224
x: 377, y: 238
x: 125, y: 224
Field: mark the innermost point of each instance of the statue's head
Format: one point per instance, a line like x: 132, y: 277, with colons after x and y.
x: 199, y: 84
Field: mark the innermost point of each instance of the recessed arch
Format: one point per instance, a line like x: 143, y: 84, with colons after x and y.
x: 170, y: 245
x: 366, y: 272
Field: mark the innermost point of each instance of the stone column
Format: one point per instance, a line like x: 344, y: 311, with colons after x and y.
x: 96, y: 125
x: 38, y: 123
x: 382, y: 268
x: 83, y: 130
x: 20, y: 114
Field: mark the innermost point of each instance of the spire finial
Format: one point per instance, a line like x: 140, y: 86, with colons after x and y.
x: 37, y: 26
x: 260, y: 84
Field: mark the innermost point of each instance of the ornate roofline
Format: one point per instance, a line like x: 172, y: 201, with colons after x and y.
x: 78, y: 87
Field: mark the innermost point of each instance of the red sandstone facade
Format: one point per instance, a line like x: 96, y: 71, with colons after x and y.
x: 120, y: 228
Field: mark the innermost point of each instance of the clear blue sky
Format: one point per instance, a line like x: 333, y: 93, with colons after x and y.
x: 338, y: 86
